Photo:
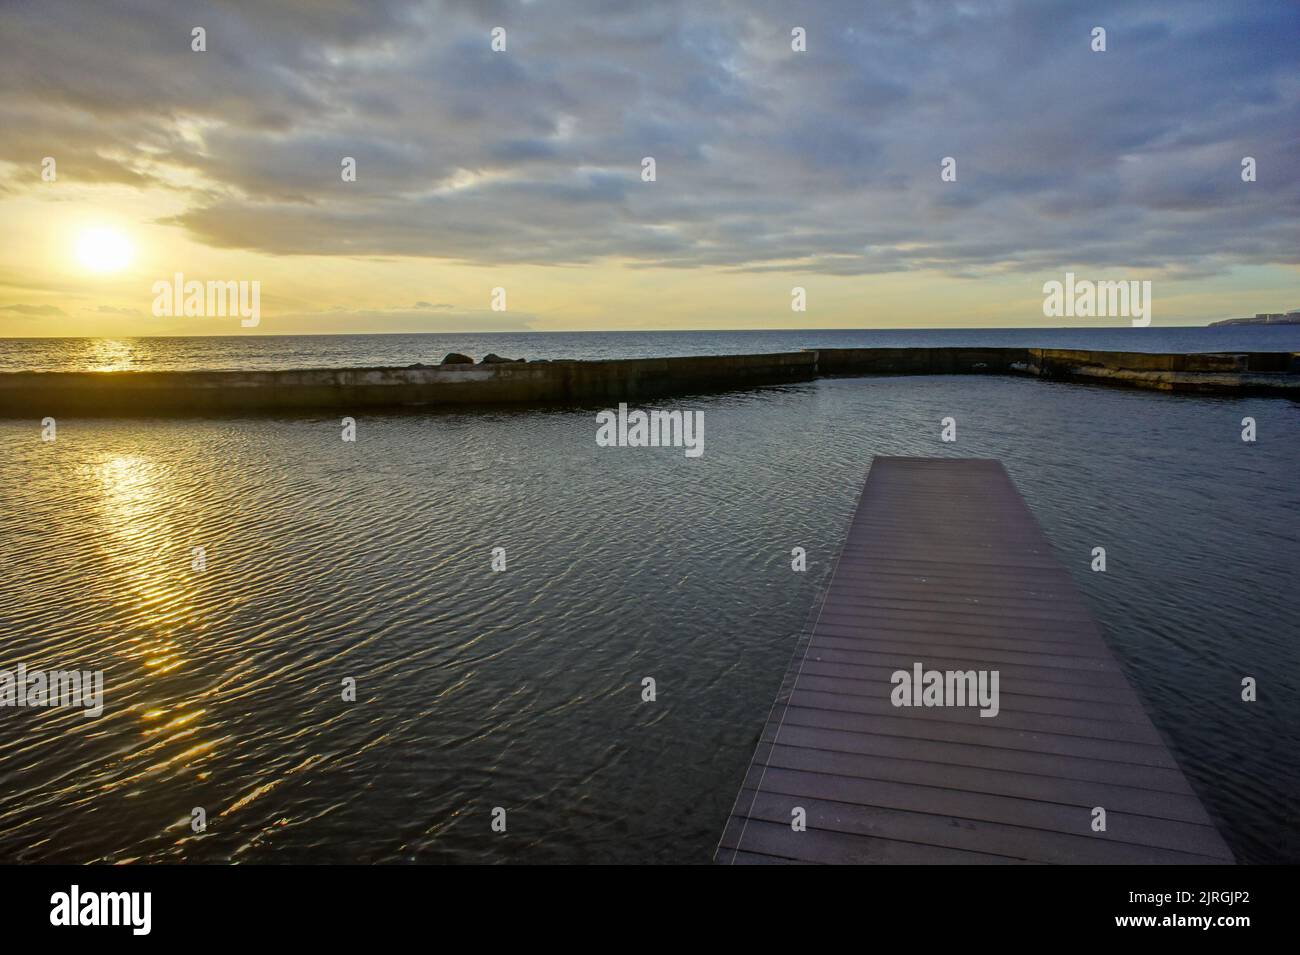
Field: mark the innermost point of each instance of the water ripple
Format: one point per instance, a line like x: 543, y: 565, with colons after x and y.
x: 327, y: 561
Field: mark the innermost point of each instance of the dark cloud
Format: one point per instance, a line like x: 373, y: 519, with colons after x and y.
x: 767, y: 159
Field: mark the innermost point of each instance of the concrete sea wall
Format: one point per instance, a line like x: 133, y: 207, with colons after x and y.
x: 1241, y: 372
x: 1229, y: 373
x: 126, y: 393
x: 28, y: 394
x: 921, y: 361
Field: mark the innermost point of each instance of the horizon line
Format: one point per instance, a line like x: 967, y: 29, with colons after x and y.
x: 646, y: 331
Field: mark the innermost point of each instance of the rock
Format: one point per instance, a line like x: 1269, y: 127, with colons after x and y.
x: 456, y: 358
x: 418, y: 365
x: 491, y: 359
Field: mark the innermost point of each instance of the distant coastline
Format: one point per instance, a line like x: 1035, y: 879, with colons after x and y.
x: 1264, y: 318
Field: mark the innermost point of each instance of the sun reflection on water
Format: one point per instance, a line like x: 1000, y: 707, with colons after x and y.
x: 150, y: 571
x: 110, y: 354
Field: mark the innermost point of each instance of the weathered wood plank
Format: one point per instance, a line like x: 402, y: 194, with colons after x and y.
x: 945, y: 566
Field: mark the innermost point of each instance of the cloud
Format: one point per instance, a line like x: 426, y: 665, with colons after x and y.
x: 824, y: 161
x: 32, y: 310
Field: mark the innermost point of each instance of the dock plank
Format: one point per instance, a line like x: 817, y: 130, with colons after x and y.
x: 944, y: 565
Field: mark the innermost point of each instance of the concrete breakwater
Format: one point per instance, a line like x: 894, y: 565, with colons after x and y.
x: 38, y: 394
x: 1229, y: 372
x: 130, y: 393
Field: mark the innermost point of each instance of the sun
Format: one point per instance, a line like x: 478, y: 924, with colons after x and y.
x: 103, y: 250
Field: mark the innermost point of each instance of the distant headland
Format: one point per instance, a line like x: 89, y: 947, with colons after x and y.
x: 1265, y: 318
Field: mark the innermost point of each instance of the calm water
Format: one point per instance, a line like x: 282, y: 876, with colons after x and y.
x: 521, y: 689
x: 332, y: 351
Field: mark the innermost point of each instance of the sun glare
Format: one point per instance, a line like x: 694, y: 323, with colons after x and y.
x: 103, y: 250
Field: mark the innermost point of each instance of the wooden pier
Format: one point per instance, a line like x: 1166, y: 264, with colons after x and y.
x: 945, y: 566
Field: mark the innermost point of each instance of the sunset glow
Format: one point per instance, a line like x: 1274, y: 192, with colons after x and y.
x: 103, y: 250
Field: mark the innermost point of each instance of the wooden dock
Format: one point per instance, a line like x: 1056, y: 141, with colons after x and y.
x: 944, y: 565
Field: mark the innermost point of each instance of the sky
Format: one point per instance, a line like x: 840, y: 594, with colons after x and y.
x: 522, y: 169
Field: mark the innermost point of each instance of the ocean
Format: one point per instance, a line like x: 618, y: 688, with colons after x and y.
x: 327, y: 562
x: 264, y: 352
